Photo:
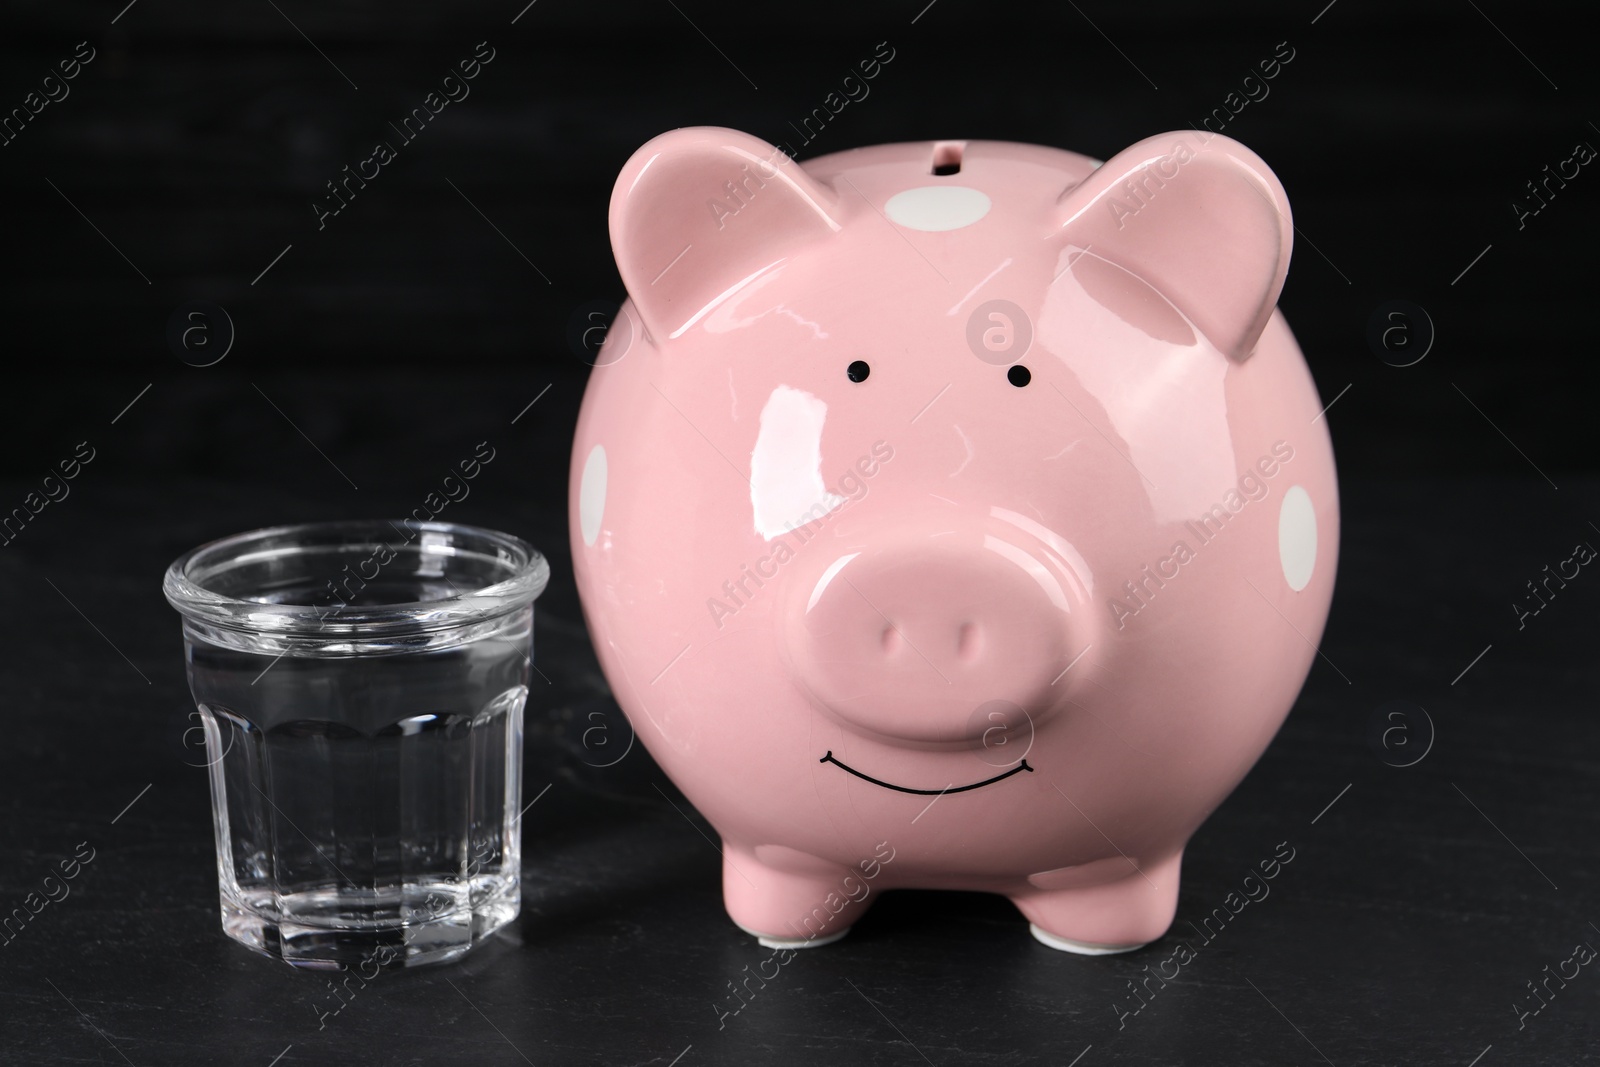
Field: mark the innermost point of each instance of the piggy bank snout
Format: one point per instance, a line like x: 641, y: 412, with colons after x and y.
x: 911, y: 641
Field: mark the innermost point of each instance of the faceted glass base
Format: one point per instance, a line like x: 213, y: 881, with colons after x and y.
x: 405, y: 927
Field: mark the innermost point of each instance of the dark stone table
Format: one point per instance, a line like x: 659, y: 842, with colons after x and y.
x: 1419, y: 902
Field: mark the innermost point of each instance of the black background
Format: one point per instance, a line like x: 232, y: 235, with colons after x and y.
x: 187, y: 157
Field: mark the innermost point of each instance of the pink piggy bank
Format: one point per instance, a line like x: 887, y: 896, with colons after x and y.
x: 953, y: 515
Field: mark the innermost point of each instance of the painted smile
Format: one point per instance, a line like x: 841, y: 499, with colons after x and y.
x: 1023, y: 766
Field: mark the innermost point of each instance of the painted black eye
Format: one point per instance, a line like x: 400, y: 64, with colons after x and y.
x: 1019, y: 376
x: 858, y: 370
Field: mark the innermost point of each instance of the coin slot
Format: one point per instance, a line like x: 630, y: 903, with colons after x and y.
x: 947, y: 157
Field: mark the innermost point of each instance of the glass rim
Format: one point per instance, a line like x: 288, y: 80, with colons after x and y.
x: 187, y: 593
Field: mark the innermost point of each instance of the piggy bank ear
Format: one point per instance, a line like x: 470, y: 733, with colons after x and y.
x: 1201, y: 219
x: 699, y: 211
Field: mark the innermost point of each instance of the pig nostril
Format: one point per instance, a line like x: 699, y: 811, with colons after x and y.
x: 890, y: 639
x: 968, y: 640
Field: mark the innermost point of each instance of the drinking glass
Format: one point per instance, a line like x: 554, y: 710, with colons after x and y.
x: 361, y: 688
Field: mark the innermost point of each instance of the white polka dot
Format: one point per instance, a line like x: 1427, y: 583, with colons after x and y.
x: 937, y: 207
x: 1297, y: 537
x: 592, y: 494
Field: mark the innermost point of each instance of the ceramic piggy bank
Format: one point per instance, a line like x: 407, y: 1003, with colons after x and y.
x: 953, y: 515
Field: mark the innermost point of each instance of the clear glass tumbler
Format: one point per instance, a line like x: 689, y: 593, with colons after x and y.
x: 361, y: 687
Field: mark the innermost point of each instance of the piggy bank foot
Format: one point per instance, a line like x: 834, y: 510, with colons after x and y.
x: 788, y: 899
x: 1116, y: 915
x: 793, y: 942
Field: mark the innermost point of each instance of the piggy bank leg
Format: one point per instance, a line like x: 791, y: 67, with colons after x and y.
x: 789, y: 899
x: 1082, y: 910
